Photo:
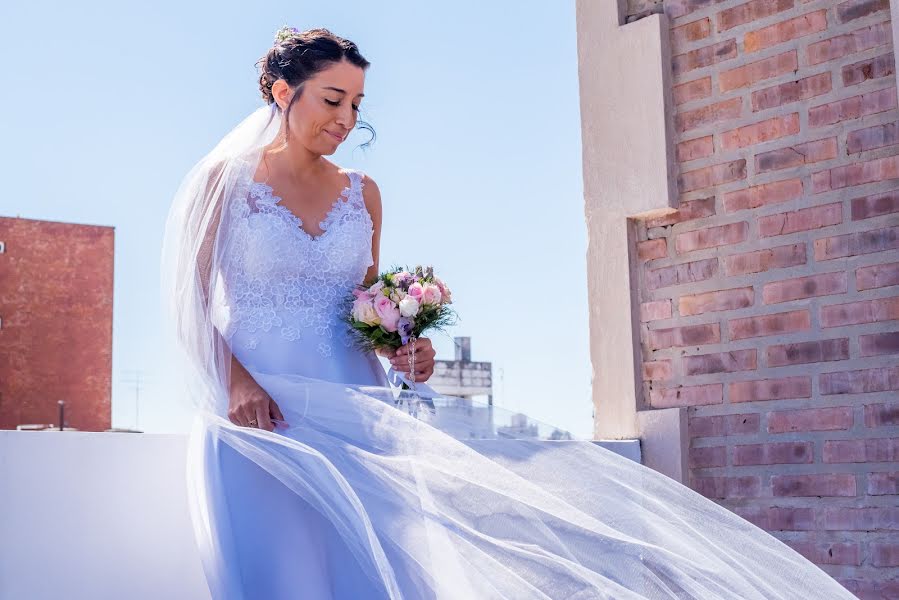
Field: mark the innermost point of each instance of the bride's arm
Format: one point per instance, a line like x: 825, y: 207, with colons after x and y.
x: 425, y: 353
x: 372, y: 196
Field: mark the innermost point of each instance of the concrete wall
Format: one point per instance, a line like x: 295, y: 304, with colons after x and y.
x: 105, y: 515
x: 96, y: 515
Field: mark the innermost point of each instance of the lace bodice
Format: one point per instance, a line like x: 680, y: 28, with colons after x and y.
x: 280, y: 279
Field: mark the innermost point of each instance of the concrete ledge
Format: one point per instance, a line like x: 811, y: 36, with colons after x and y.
x: 70, y: 517
x: 663, y: 433
x: 71, y: 507
x: 626, y: 448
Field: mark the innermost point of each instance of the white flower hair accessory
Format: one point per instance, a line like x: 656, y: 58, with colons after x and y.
x: 285, y: 33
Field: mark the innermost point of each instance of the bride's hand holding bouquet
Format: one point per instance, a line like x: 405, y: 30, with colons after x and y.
x: 400, y: 358
x: 389, y: 316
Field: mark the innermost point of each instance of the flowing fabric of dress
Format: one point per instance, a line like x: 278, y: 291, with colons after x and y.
x: 373, y: 492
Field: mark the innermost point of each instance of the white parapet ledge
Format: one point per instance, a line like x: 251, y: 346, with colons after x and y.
x: 104, y: 515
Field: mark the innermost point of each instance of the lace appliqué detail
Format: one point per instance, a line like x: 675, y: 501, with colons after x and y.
x: 279, y: 277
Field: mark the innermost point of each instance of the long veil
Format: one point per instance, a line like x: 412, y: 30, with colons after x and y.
x: 436, y: 496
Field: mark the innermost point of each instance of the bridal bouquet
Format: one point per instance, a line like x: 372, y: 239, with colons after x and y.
x: 398, y: 308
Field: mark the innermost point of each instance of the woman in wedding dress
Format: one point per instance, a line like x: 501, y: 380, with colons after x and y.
x: 312, y: 476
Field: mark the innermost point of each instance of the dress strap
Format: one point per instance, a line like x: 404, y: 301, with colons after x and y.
x: 356, y: 176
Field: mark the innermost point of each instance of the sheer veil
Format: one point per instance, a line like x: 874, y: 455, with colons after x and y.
x: 192, y: 248
x: 430, y: 501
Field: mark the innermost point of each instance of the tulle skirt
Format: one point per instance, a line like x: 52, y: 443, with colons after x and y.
x: 373, y: 493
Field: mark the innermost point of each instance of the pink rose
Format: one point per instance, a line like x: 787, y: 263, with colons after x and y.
x: 388, y: 311
x: 416, y: 291
x: 431, y: 294
x: 445, y: 293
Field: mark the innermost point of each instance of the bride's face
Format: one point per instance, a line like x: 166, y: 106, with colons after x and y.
x: 327, y: 109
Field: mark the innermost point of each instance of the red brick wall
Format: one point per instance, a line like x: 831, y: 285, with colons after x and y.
x: 770, y: 304
x: 56, y: 334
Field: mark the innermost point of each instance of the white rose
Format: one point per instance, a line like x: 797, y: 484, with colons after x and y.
x: 397, y: 295
x: 408, y: 306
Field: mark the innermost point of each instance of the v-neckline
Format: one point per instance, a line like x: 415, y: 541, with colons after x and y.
x: 343, y: 198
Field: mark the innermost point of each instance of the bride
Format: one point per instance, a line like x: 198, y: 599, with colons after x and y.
x: 312, y: 476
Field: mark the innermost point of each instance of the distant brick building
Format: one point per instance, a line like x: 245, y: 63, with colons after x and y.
x: 56, y: 286
x: 766, y: 307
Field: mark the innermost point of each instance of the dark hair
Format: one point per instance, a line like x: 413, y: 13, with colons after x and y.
x: 297, y: 56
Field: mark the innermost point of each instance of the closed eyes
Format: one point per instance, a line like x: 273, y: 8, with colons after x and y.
x: 356, y: 108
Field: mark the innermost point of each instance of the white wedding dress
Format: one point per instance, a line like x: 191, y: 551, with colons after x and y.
x: 372, y: 495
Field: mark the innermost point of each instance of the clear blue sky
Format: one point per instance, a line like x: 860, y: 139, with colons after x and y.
x: 106, y: 105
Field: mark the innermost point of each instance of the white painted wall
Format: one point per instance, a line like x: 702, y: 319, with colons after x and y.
x: 104, y: 515
x: 96, y: 515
